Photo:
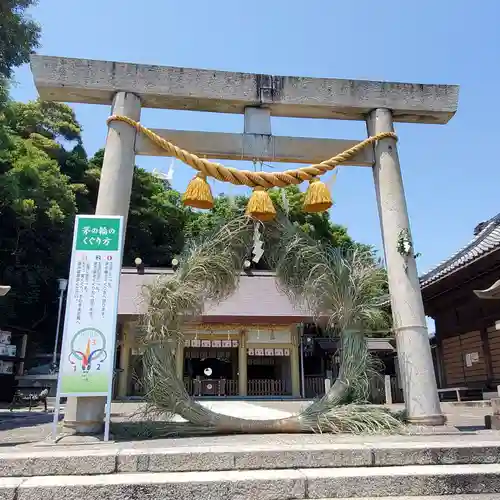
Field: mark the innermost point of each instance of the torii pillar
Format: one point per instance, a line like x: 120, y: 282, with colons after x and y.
x: 85, y: 415
x: 128, y: 86
x: 409, y: 324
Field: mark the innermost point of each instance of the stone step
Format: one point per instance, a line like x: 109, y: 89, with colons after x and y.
x: 111, y: 459
x: 481, y: 496
x: 124, y: 458
x: 356, y: 482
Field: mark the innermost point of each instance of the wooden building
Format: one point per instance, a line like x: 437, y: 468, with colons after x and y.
x: 462, y: 296
x: 249, y: 342
x: 250, y: 345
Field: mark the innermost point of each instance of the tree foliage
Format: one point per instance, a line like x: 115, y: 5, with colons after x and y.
x: 19, y: 34
x: 156, y: 220
x: 317, y: 225
x: 37, y: 209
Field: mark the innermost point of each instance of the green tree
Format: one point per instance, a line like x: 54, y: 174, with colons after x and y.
x: 156, y: 220
x: 20, y: 35
x: 37, y: 209
x: 202, y: 222
x: 317, y: 225
x: 45, y: 180
x: 44, y: 120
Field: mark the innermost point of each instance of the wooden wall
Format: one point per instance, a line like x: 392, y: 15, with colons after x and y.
x: 494, y: 345
x: 464, y: 359
x: 465, y: 324
x: 453, y: 362
x: 461, y: 329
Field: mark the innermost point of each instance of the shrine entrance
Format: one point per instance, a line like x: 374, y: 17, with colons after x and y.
x: 128, y: 87
x: 211, y: 371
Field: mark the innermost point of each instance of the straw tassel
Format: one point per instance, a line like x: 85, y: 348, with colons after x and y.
x: 260, y: 205
x: 318, y: 198
x: 198, y: 193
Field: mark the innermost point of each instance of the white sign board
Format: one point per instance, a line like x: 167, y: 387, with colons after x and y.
x: 468, y: 360
x: 89, y: 339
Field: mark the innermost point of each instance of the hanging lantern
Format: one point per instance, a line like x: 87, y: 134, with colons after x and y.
x: 198, y: 193
x: 260, y: 205
x: 318, y: 198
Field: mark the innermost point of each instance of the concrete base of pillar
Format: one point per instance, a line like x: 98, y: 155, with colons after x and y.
x: 72, y: 440
x: 84, y: 415
x: 79, y: 439
x: 428, y: 420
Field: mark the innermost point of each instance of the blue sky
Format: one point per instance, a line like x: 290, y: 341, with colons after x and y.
x: 451, y: 173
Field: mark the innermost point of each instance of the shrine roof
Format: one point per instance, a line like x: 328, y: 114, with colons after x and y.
x: 257, y: 298
x: 485, y: 241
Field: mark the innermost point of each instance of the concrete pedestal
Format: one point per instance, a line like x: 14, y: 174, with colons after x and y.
x: 84, y: 415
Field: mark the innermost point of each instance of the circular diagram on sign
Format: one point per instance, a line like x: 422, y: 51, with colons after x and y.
x: 88, y: 349
x: 207, y: 371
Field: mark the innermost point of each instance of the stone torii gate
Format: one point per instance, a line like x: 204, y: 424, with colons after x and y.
x: 128, y: 87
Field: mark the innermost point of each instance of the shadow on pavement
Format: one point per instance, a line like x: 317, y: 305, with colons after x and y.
x: 470, y: 428
x: 18, y: 420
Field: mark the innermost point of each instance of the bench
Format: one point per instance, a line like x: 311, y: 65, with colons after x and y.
x: 26, y: 396
x: 456, y: 390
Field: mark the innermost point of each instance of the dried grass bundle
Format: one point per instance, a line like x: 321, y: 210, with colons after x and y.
x: 339, y: 287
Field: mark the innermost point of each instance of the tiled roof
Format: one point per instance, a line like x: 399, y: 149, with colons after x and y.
x: 486, y: 240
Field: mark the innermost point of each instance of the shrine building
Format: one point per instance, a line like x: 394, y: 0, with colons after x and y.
x: 247, y: 346
x: 462, y: 295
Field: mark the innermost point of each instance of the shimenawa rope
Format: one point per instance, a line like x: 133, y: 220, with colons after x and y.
x: 246, y: 177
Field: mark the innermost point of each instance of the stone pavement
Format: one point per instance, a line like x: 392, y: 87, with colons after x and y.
x: 462, y: 416
x: 443, y: 461
x: 22, y: 427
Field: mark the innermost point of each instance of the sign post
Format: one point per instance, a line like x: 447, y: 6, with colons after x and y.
x: 86, y: 366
